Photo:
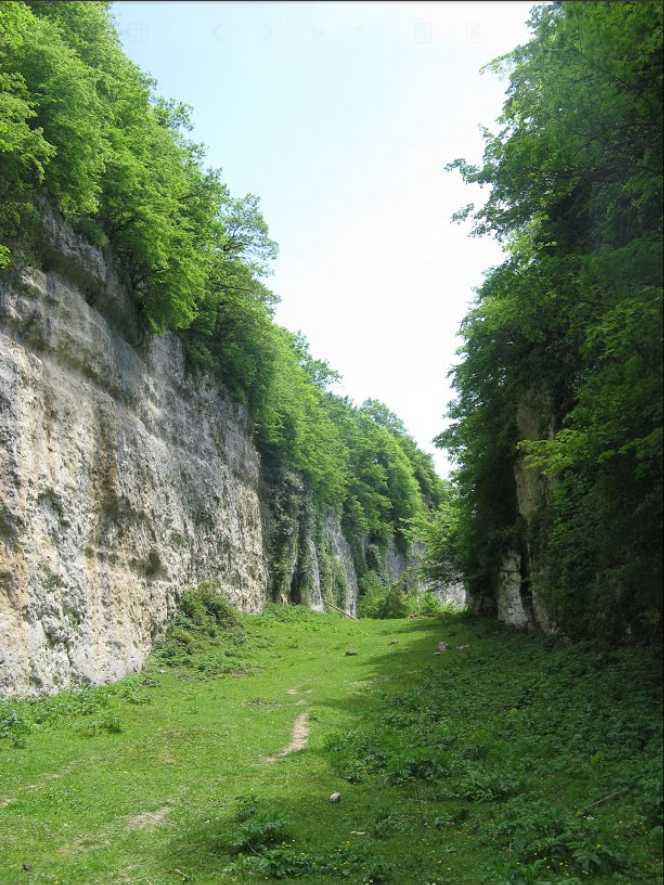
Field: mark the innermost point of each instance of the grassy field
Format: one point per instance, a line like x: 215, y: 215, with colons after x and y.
x: 507, y: 758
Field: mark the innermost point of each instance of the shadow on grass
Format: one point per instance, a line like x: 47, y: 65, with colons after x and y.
x: 502, y: 698
x: 205, y: 849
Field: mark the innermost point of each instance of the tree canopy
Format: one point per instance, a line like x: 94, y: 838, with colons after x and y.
x: 570, y: 323
x: 82, y: 128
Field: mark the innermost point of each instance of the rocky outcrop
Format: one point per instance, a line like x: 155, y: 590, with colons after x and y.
x: 509, y: 596
x: 534, y: 421
x: 311, y: 562
x: 517, y: 600
x: 120, y: 482
x: 123, y: 482
x: 453, y: 594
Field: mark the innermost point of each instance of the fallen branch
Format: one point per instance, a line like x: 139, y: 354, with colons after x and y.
x: 340, y: 610
x: 605, y: 798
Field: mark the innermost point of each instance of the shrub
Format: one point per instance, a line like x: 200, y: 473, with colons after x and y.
x: 424, y: 604
x: 288, y: 613
x: 205, y: 622
x: 13, y: 726
x: 380, y: 600
x: 534, y: 831
x: 207, y: 602
x: 258, y: 833
x: 372, y: 594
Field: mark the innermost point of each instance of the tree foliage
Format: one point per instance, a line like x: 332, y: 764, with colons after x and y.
x: 82, y: 128
x: 571, y: 319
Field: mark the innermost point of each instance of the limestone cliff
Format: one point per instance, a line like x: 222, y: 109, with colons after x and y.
x: 311, y: 561
x: 119, y: 481
x: 122, y: 482
x: 517, y: 600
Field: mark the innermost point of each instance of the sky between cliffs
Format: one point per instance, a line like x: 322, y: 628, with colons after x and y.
x: 341, y: 117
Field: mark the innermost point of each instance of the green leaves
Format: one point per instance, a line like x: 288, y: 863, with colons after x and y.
x: 81, y: 125
x: 78, y: 117
x: 571, y: 319
x: 24, y: 152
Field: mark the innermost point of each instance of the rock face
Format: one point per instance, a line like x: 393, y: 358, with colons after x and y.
x: 517, y: 601
x: 123, y: 482
x: 510, y: 605
x: 453, y: 594
x: 120, y: 483
x: 534, y: 421
x: 311, y: 562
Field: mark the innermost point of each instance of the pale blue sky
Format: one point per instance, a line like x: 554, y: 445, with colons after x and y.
x: 341, y: 117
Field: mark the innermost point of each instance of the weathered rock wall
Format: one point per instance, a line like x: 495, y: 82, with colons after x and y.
x: 453, y: 594
x: 123, y: 481
x: 311, y: 562
x: 510, y: 603
x: 517, y: 600
x: 120, y: 482
x: 397, y: 564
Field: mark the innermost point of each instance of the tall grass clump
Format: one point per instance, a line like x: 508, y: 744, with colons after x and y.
x: 205, y: 632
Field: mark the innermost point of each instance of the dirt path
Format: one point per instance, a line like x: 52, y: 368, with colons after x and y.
x: 299, y: 738
x: 148, y: 820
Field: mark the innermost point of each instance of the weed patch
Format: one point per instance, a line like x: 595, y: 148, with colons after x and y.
x: 516, y: 725
x: 88, y: 711
x: 290, y: 614
x: 205, y: 637
x: 545, y: 838
x: 293, y: 863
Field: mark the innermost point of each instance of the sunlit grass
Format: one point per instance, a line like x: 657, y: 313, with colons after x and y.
x: 512, y: 759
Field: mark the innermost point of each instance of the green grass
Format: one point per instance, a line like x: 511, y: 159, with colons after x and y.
x: 517, y: 759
